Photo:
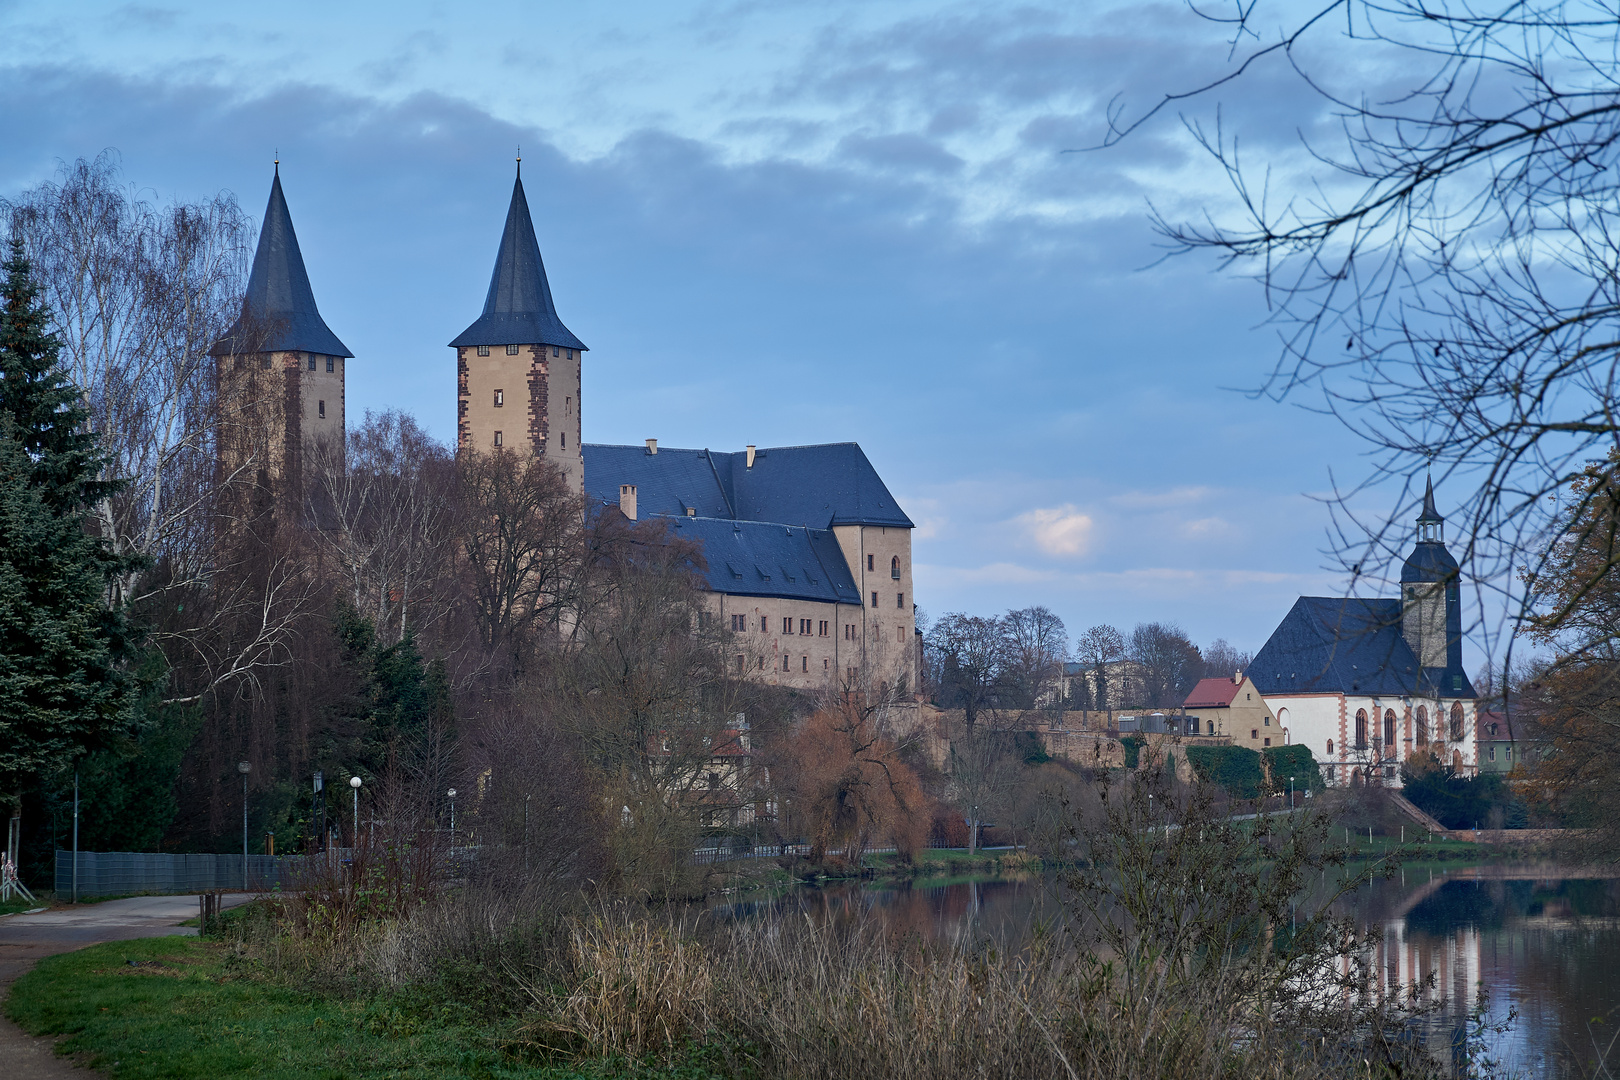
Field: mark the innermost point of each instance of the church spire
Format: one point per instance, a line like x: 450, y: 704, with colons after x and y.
x: 519, y: 309
x: 1429, y: 522
x: 279, y: 312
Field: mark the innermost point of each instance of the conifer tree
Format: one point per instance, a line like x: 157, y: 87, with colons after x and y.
x: 63, y: 651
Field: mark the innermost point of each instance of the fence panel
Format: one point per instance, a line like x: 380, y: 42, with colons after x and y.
x: 124, y: 873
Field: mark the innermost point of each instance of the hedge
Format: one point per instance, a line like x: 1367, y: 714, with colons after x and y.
x: 1235, y: 768
x: 1297, y: 761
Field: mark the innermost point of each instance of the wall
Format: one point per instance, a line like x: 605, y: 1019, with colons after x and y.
x: 540, y: 410
x: 887, y: 629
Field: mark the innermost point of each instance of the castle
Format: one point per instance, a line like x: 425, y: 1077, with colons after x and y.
x: 808, y: 554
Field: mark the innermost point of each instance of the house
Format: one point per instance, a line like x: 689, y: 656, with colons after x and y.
x: 1234, y: 706
x: 1365, y: 683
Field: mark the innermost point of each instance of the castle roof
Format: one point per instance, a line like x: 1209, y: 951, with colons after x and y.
x: 279, y: 312
x: 519, y: 309
x: 815, y: 486
x: 754, y: 558
x: 1350, y: 646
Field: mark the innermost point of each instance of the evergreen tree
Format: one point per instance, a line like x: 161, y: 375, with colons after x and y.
x: 63, y: 653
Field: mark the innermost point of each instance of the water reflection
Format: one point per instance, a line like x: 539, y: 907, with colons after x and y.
x: 1542, y: 941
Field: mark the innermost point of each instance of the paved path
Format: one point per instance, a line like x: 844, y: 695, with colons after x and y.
x: 25, y: 939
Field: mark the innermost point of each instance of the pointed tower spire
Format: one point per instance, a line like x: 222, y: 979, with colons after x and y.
x: 1429, y: 513
x: 519, y: 309
x: 279, y: 312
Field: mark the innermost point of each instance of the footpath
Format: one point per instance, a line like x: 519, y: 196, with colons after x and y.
x: 27, y: 939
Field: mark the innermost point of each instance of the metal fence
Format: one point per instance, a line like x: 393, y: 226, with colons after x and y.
x: 123, y: 873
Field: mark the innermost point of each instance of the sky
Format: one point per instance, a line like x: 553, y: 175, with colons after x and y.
x: 779, y: 223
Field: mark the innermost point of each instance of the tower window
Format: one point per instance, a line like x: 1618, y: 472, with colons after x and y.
x: 894, y: 568
x: 483, y: 350
x: 500, y: 398
x: 321, y: 408
x: 570, y: 354
x: 568, y: 406
x: 498, y: 441
x: 554, y: 350
x: 874, y: 599
x: 870, y: 559
x: 331, y: 364
x: 804, y: 663
x: 563, y: 435
x: 511, y: 350
x: 826, y: 664
x: 312, y: 361
x: 900, y: 600
x: 763, y: 627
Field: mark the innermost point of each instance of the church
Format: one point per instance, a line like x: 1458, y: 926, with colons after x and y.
x: 808, y: 554
x: 1365, y: 683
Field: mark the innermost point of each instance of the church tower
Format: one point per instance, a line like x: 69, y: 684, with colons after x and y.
x: 517, y: 365
x: 281, y: 369
x: 1431, y: 608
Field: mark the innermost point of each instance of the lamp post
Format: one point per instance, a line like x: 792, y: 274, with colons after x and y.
x: 354, y: 782
x: 75, y: 836
x: 1290, y: 794
x: 244, y: 767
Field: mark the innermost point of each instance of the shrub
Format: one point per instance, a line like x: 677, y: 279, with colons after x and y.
x: 1296, y: 761
x: 1236, y: 769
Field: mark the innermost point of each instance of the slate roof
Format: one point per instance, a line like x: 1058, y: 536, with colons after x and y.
x: 813, y: 486
x: 754, y: 558
x: 1211, y: 694
x: 278, y: 312
x: 518, y: 309
x: 1349, y: 646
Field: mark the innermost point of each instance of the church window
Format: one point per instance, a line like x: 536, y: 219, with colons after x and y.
x: 312, y: 361
x: 500, y: 398
x: 1456, y: 721
x: 498, y: 441
x: 511, y: 350
x: 1361, y: 729
x: 870, y: 559
x: 894, y: 568
x: 1422, y: 726
x: 321, y: 409
x: 331, y: 364
x: 1330, y: 748
x: 483, y: 350
x: 1389, y: 727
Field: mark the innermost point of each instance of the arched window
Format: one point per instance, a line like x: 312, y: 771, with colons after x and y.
x: 1361, y: 729
x: 894, y: 568
x: 1422, y: 726
x: 1389, y: 728
x: 1456, y: 721
x: 1330, y: 748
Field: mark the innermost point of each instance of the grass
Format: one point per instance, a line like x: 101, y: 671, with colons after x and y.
x: 183, y: 1008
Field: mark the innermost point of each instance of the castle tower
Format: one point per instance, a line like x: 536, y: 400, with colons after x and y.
x: 281, y: 369
x: 1431, y: 608
x: 518, y: 366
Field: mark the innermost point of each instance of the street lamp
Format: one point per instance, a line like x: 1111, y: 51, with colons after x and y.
x: 1290, y: 794
x: 244, y: 767
x: 452, y: 794
x: 354, y: 782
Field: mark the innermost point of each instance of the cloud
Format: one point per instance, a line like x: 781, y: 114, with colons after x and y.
x: 1059, y: 530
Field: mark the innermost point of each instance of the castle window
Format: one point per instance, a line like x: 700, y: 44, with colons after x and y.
x: 739, y: 663
x: 764, y: 628
x: 804, y: 663
x: 787, y: 626
x: 563, y: 435
x: 874, y: 599
x: 555, y: 351
x: 894, y: 568
x: 850, y: 674
x: 787, y: 663
x: 312, y: 361
x: 331, y: 364
x: 511, y: 350
x: 900, y: 600
x: 826, y: 664
x: 1361, y: 729
x: 739, y: 622
x: 804, y: 627
x: 483, y: 350
x: 568, y: 406
x: 500, y: 398
x: 870, y: 559
x: 498, y: 441
x: 321, y: 409
x: 824, y: 628
x: 570, y: 354
x: 849, y: 631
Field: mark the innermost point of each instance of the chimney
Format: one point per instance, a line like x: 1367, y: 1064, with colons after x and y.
x: 750, y: 457
x: 627, y: 500
x: 1237, y: 678
x: 652, y: 446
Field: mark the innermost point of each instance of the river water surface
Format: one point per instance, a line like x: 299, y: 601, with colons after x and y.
x: 1541, y: 941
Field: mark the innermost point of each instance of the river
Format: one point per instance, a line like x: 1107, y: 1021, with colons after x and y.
x: 1542, y: 941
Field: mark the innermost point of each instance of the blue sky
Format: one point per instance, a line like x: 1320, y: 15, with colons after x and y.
x: 775, y: 224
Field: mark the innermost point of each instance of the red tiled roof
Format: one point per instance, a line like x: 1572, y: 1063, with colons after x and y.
x: 1211, y: 693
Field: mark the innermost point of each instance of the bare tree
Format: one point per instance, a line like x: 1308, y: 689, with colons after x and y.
x: 1222, y: 659
x: 1447, y: 283
x: 1098, y: 649
x: 1036, y: 643
x: 969, y: 661
x: 382, y: 509
x: 1169, y: 663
